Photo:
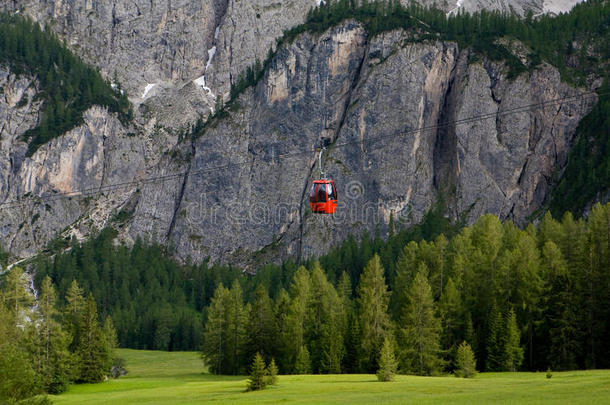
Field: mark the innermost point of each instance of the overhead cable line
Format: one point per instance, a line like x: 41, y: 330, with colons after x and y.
x: 88, y: 192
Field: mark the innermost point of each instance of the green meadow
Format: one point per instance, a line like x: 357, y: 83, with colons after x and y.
x: 157, y: 377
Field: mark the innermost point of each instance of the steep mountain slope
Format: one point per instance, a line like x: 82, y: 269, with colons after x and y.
x: 237, y: 189
x: 368, y: 96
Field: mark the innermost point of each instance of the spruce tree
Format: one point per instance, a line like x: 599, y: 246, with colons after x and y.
x: 496, y: 342
x: 258, y: 374
x: 261, y: 331
x: 465, y: 363
x: 513, y: 351
x: 95, y: 357
x: 421, y: 330
x: 272, y: 372
x: 373, y: 308
x: 452, y: 322
x: 387, y: 362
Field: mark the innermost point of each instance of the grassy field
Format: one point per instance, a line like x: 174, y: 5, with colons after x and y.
x: 178, y: 378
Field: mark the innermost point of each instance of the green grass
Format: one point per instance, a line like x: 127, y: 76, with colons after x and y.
x: 178, y: 378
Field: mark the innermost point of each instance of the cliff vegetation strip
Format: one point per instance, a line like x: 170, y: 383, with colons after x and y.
x: 68, y: 86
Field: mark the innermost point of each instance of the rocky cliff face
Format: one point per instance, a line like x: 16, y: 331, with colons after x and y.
x: 399, y: 116
x: 71, y: 173
x: 246, y: 184
x: 175, y: 57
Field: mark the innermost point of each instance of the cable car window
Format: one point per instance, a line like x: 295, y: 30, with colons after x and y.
x: 330, y: 189
x: 312, y: 193
x: 321, y: 193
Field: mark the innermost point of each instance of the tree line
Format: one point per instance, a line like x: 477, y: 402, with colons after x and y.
x: 523, y: 299
x: 45, y: 346
x: 68, y: 86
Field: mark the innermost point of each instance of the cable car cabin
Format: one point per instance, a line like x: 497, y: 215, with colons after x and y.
x: 323, y: 197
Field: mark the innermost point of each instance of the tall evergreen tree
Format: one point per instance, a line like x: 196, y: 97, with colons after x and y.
x: 261, y: 330
x: 387, y: 362
x: 55, y: 359
x: 421, y: 330
x: 375, y: 325
x: 513, y: 352
x: 215, y: 334
x: 236, y: 327
x: 294, y: 336
x: 496, y: 342
x: 465, y: 362
x: 94, y: 354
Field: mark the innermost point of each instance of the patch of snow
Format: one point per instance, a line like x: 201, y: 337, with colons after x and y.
x: 148, y: 88
x: 216, y: 32
x: 200, y: 81
x: 116, y: 86
x: 320, y: 2
x: 211, y: 53
x: 559, y: 6
x: 455, y: 10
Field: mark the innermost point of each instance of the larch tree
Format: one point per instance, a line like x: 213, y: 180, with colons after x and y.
x: 53, y: 341
x: 294, y: 334
x: 236, y: 327
x: 215, y: 334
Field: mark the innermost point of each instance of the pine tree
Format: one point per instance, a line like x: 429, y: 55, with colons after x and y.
x: 387, y: 362
x: 513, y: 351
x: 258, y: 374
x: 465, y: 363
x: 421, y: 331
x: 373, y: 306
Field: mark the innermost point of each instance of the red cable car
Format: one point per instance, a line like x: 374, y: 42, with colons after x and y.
x: 323, y: 194
x: 323, y: 197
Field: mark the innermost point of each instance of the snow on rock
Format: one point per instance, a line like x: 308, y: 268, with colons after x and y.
x: 455, y: 10
x: 148, y: 88
x: 211, y: 53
